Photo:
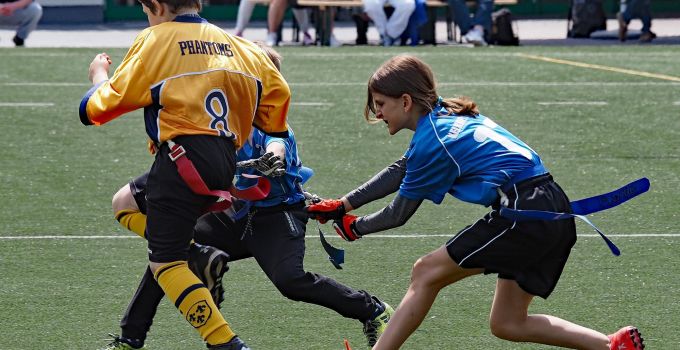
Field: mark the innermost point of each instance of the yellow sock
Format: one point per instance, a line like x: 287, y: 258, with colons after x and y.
x: 132, y: 220
x: 194, y: 302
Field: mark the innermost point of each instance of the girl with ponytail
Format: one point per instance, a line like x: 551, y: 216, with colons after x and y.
x: 457, y: 150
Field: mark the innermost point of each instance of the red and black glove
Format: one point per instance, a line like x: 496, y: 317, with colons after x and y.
x: 347, y: 228
x: 327, y: 209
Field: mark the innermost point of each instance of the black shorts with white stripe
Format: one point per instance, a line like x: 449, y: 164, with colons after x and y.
x: 533, y: 253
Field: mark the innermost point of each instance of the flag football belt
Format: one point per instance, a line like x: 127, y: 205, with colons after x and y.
x: 187, y: 171
x: 583, y: 207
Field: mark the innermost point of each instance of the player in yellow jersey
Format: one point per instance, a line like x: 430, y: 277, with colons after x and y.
x: 202, y: 90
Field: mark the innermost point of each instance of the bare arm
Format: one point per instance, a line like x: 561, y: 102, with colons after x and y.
x: 99, y: 68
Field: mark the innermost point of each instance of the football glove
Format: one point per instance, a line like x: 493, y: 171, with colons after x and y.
x: 268, y: 165
x: 347, y: 228
x: 327, y: 209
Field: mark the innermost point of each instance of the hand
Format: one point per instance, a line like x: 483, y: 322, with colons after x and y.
x: 99, y: 68
x: 327, y: 209
x: 347, y: 228
x: 7, y: 9
x: 268, y: 165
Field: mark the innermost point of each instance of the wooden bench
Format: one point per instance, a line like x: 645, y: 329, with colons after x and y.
x: 324, y: 13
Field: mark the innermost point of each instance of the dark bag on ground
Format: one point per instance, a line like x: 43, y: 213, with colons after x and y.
x: 586, y: 16
x: 502, y: 32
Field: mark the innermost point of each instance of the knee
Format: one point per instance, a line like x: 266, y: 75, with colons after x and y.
x: 372, y: 6
x: 421, y: 273
x: 123, y: 199
x: 503, y: 329
x: 34, y: 10
x: 406, y: 6
x: 290, y: 285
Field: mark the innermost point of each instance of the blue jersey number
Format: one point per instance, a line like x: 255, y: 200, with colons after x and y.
x: 217, y: 107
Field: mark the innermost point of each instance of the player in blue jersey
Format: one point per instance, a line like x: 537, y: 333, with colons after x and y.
x: 271, y: 230
x: 458, y: 151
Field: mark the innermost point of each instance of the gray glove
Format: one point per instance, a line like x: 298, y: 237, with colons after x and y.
x: 268, y: 165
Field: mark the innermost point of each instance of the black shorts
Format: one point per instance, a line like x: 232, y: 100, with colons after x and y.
x: 172, y: 207
x: 138, y: 190
x: 533, y: 253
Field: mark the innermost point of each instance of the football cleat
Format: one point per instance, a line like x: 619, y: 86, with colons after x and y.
x: 626, y: 338
x: 234, y: 344
x: 120, y: 343
x: 209, y: 264
x: 375, y: 327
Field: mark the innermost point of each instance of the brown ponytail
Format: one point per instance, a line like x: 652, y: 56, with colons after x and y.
x: 405, y: 74
x: 461, y: 105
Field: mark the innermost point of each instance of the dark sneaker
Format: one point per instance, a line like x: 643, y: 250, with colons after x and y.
x: 209, y: 264
x: 626, y: 338
x: 375, y: 327
x: 234, y: 344
x: 623, y: 26
x: 18, y: 41
x: 647, y: 37
x: 120, y: 343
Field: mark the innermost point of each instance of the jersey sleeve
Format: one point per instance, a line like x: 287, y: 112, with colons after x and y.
x: 287, y: 144
x: 127, y: 90
x: 430, y: 173
x: 272, y: 111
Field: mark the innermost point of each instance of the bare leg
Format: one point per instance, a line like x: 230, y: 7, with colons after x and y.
x: 245, y: 11
x: 509, y: 320
x: 430, y: 274
x: 277, y: 8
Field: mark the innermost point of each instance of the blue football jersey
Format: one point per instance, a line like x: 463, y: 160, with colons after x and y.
x: 468, y: 157
x: 285, y: 189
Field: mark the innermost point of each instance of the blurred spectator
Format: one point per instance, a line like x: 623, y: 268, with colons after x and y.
x: 631, y: 9
x: 24, y: 14
x: 245, y: 11
x: 390, y: 30
x: 473, y: 30
x: 418, y: 18
x: 277, y: 9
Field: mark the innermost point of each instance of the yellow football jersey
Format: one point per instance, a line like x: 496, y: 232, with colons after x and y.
x: 193, y: 78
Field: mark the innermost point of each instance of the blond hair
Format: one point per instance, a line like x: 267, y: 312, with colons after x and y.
x: 406, y: 74
x: 174, y: 5
x: 273, y: 55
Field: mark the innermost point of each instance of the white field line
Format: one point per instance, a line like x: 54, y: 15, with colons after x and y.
x: 475, y: 53
x: 447, y: 52
x: 676, y: 103
x: 26, y: 104
x: 575, y: 103
x: 452, y: 83
x: 46, y: 84
x: 313, y: 236
x: 312, y: 104
x: 508, y: 83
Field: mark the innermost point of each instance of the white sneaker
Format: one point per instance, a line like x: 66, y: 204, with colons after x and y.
x: 476, y: 37
x: 333, y: 42
x: 271, y: 39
